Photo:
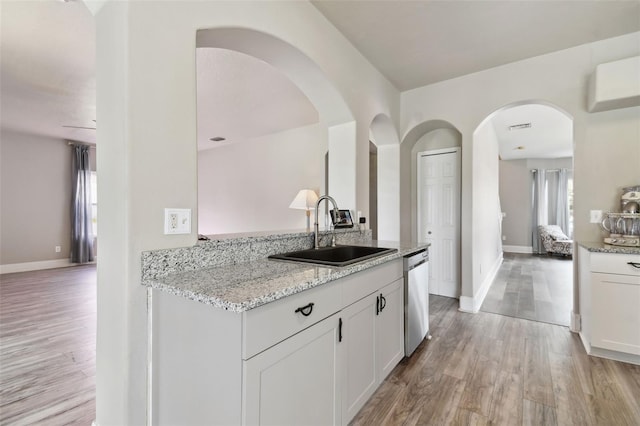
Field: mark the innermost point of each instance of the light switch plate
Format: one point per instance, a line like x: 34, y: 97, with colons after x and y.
x: 595, y: 216
x: 177, y: 221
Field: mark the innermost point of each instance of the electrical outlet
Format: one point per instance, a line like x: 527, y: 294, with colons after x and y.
x: 504, y: 238
x: 177, y: 221
x: 58, y: 249
x: 595, y: 216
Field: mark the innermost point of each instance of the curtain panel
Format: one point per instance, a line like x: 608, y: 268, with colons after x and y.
x: 81, y: 228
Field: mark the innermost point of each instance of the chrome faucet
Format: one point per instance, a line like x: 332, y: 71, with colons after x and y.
x: 315, y: 224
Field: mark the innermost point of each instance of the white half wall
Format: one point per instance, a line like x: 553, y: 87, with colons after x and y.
x: 146, y: 103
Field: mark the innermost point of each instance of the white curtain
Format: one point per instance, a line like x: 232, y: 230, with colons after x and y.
x: 539, y: 203
x: 549, y: 202
x: 81, y: 227
x: 562, y: 201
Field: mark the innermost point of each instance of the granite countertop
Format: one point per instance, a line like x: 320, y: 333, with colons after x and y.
x: 599, y: 247
x: 244, y: 286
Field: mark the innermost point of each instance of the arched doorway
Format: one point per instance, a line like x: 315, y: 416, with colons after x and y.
x: 533, y: 139
x: 417, y: 145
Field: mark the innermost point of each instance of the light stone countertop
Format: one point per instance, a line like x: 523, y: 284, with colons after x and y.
x: 599, y: 247
x: 244, y: 286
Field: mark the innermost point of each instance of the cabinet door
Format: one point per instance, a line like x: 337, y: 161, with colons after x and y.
x: 616, y: 312
x: 390, y: 328
x: 359, y: 339
x: 296, y: 382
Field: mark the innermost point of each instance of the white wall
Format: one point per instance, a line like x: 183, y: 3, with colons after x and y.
x: 146, y: 109
x: 248, y: 186
x: 486, y: 238
x: 560, y: 78
x: 35, y: 200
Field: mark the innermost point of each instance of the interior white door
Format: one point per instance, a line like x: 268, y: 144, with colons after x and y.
x: 439, y: 217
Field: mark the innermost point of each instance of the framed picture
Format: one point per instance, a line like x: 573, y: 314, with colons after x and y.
x: 343, y: 221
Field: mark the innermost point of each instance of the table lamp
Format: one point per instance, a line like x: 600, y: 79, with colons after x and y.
x: 305, y: 200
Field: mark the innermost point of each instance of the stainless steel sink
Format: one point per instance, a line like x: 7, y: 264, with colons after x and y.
x: 335, y: 256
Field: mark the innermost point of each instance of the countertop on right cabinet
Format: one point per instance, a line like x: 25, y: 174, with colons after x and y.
x: 598, y: 247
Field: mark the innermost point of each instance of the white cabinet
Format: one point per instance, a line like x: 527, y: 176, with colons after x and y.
x: 359, y: 339
x: 610, y: 305
x: 373, y: 337
x: 390, y: 329
x: 313, y: 358
x: 615, y: 294
x: 296, y: 382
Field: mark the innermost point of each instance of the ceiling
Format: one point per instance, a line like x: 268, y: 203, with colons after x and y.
x: 240, y: 97
x: 47, y: 74
x: 48, y: 59
x: 550, y: 134
x: 415, y: 43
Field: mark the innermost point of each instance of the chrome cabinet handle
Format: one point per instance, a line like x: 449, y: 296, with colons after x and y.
x: 634, y: 264
x: 305, y: 310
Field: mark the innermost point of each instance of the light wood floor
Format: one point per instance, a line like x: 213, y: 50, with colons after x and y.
x: 532, y: 287
x: 484, y: 368
x: 478, y: 369
x: 47, y: 347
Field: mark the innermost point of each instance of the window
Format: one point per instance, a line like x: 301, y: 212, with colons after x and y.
x: 94, y: 203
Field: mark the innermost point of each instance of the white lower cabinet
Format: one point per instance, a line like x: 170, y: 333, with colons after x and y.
x: 359, y: 352
x: 296, y: 382
x: 373, y: 337
x: 610, y: 304
x: 390, y: 329
x: 313, y: 358
x: 616, y: 312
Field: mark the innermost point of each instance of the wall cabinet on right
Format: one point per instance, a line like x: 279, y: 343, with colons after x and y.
x: 610, y: 304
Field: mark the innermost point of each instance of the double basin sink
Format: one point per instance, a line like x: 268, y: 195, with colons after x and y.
x: 335, y: 256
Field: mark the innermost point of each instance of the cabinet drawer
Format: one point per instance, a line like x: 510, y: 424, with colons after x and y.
x: 269, y: 324
x: 615, y: 263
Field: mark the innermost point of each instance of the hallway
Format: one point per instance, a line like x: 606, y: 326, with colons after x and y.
x: 533, y: 287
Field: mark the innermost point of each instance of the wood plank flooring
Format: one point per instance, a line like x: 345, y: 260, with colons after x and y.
x: 532, y: 287
x: 478, y: 368
x: 47, y: 347
x: 484, y: 368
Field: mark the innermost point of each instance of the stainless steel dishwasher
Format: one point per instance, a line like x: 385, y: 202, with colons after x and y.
x: 416, y: 300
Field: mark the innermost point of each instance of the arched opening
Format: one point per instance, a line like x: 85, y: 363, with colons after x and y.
x: 273, y: 107
x: 523, y: 158
x: 384, y: 136
x: 430, y: 206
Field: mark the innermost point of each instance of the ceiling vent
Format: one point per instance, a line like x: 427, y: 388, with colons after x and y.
x: 520, y: 126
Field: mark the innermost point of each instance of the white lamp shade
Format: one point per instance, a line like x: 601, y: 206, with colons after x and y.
x: 305, y: 200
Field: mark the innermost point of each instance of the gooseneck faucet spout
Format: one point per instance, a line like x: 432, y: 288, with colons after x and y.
x: 315, y: 225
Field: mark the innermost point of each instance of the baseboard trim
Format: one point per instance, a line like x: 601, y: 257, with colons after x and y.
x: 518, y: 249
x: 473, y: 304
x: 37, y: 266
x: 576, y: 324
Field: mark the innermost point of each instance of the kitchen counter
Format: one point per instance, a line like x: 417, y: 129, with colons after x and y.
x: 599, y: 247
x: 243, y: 286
